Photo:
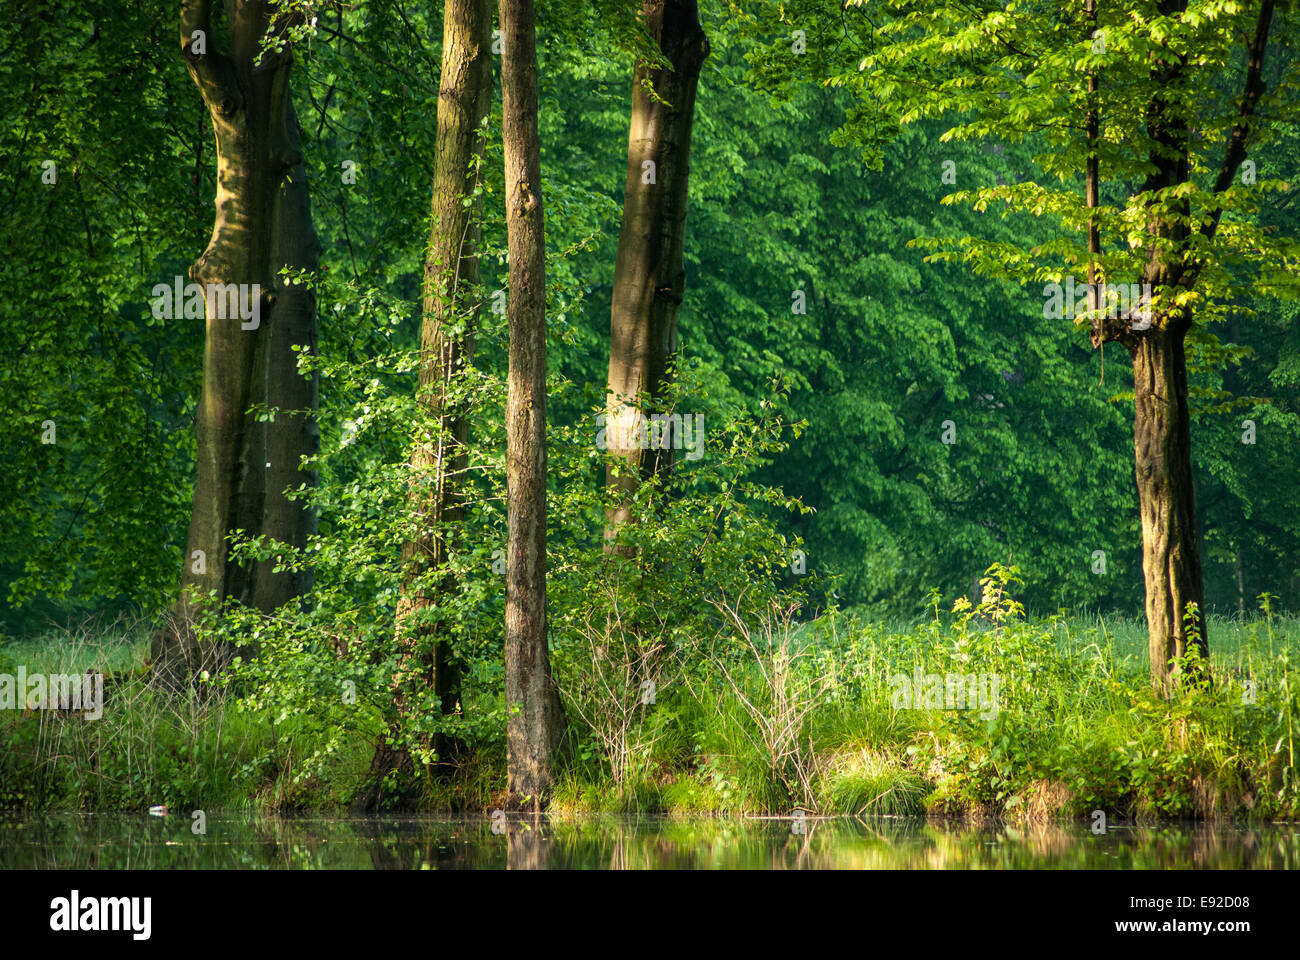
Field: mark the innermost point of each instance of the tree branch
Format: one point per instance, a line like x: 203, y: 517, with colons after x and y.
x: 1236, y: 149
x: 211, y: 71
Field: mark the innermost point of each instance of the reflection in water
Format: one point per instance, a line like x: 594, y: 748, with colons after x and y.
x: 114, y: 841
x: 529, y: 842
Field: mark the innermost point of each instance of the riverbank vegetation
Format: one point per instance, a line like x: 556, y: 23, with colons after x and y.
x: 607, y: 406
x: 807, y: 722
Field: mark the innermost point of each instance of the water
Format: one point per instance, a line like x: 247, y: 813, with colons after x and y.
x: 116, y: 841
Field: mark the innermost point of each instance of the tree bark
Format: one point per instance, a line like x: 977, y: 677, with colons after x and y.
x: 535, y: 723
x: 1171, y: 560
x: 451, y: 276
x: 295, y: 432
x: 649, y: 277
x: 263, y: 221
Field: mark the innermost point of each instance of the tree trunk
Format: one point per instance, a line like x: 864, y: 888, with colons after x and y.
x: 1241, y: 585
x: 1171, y: 560
x: 649, y: 278
x: 535, y: 722
x: 1162, y: 443
x: 292, y: 435
x: 450, y: 283
x: 262, y: 222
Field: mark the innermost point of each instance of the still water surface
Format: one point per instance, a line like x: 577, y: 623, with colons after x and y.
x: 116, y: 841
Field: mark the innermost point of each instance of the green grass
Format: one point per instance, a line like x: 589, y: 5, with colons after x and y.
x: 121, y: 646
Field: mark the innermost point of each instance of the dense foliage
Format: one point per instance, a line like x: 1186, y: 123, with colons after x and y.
x: 888, y: 414
x: 799, y: 264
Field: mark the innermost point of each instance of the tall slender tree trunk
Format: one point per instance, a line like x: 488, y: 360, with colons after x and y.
x: 263, y: 221
x: 438, y: 458
x: 535, y: 723
x: 1171, y: 559
x: 1241, y: 584
x: 1171, y: 556
x: 649, y: 277
x: 1092, y: 167
x: 1162, y: 441
x: 1161, y: 423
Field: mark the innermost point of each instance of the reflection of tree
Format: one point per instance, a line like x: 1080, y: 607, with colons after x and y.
x: 618, y: 851
x: 528, y: 847
x: 379, y: 840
